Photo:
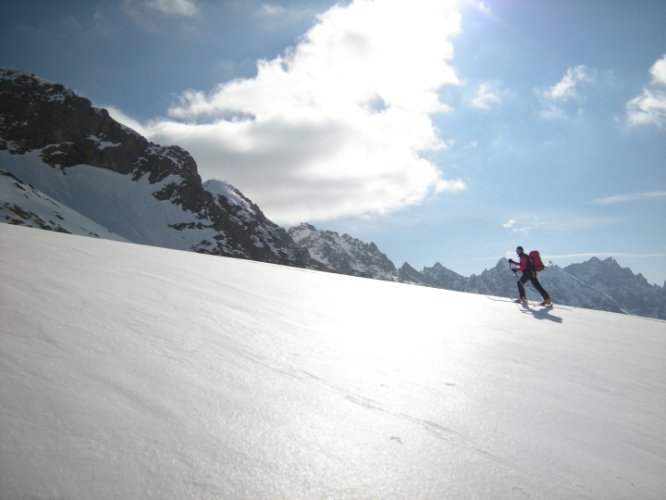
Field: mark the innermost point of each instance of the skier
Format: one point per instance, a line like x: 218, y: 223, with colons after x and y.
x: 529, y: 274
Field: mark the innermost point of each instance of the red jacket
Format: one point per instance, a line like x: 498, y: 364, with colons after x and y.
x: 524, y: 263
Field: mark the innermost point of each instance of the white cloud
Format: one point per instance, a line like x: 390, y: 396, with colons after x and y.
x: 522, y: 227
x: 658, y: 71
x: 649, y: 108
x: 485, y: 97
x: 626, y: 198
x: 526, y: 224
x: 147, y: 13
x: 271, y: 10
x: 482, y: 6
x: 176, y: 8
x: 454, y: 186
x: 336, y: 125
x: 557, y: 221
x: 567, y: 90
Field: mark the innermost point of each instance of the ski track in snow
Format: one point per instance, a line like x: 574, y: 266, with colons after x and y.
x: 129, y: 371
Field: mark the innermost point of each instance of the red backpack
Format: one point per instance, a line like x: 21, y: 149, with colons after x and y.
x: 535, y: 259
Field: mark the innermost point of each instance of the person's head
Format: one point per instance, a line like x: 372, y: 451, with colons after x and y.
x: 519, y: 250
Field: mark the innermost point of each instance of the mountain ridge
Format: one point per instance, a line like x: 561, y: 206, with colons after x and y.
x: 581, y: 285
x: 342, y: 254
x: 76, y: 154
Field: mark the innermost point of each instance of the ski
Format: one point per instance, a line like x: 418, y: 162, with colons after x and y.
x: 529, y: 303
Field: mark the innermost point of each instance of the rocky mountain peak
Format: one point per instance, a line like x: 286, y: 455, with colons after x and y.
x: 342, y: 253
x: 407, y: 274
x: 78, y: 157
x: 631, y: 290
x: 441, y: 277
x: 68, y: 130
x: 605, y: 271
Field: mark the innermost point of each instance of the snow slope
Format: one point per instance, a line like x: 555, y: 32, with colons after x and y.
x: 24, y: 205
x: 131, y: 371
x: 125, y: 207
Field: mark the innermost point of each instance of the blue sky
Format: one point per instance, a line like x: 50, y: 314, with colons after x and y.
x: 444, y: 131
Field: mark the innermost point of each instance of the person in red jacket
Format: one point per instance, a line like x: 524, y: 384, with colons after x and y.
x: 524, y: 265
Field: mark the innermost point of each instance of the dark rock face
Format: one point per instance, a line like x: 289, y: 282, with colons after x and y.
x: 38, y: 115
x: 246, y: 223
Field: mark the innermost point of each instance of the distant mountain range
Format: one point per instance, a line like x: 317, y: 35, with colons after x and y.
x: 68, y: 166
x: 595, y: 284
x: 342, y: 254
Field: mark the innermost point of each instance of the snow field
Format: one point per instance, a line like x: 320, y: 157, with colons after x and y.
x: 130, y: 371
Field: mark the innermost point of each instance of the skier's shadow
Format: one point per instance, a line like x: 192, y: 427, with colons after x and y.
x: 542, y: 314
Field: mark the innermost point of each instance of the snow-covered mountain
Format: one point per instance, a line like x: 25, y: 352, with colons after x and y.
x: 67, y: 165
x: 500, y: 281
x: 407, y: 274
x: 442, y: 277
x: 565, y: 288
x: 633, y: 291
x: 581, y: 285
x: 131, y: 371
x: 342, y: 254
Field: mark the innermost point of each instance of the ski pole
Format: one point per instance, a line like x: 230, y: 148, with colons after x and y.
x: 513, y: 269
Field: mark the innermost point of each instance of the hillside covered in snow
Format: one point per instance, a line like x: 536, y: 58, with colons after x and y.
x: 130, y: 371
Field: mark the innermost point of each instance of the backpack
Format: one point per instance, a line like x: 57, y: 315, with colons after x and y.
x: 535, y: 260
